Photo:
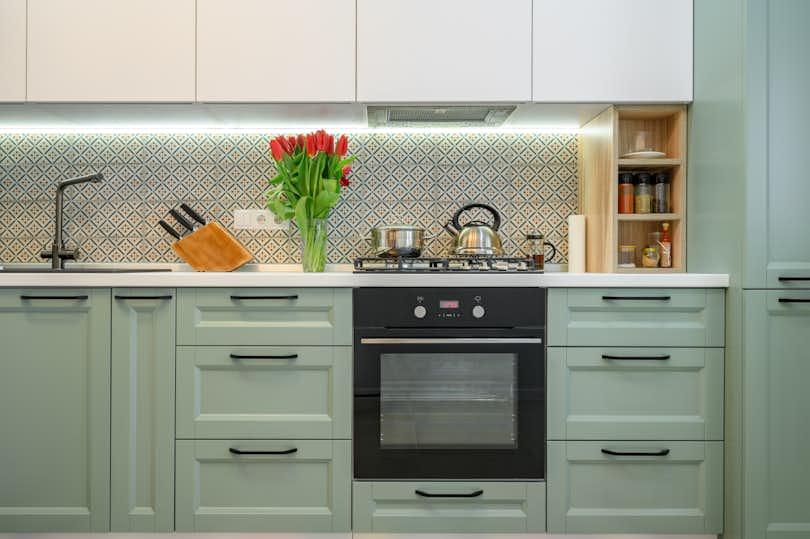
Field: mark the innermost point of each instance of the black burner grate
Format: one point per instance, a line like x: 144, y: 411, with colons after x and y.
x: 461, y: 264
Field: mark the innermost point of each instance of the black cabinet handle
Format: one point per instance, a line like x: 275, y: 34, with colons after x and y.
x: 241, y: 298
x: 143, y: 297
x: 235, y: 451
x: 788, y: 279
x: 636, y: 298
x: 473, y: 494
x: 637, y: 358
x: 70, y: 298
x: 794, y: 300
x: 660, y: 453
x: 285, y: 356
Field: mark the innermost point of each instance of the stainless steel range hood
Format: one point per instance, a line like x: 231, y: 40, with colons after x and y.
x: 438, y: 115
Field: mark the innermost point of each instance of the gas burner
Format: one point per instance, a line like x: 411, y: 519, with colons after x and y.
x: 445, y: 265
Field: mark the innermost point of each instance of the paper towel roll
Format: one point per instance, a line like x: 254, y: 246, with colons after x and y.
x: 576, y: 244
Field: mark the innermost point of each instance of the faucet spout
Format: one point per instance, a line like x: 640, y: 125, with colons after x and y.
x: 58, y: 254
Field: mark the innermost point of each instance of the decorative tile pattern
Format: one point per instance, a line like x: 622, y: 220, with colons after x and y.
x: 398, y: 178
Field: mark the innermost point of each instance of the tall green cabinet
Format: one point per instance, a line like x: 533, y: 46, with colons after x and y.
x: 55, y: 394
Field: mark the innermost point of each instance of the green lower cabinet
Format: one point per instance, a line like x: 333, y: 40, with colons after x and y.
x: 776, y: 414
x: 55, y: 410
x: 635, y: 487
x: 635, y: 394
x: 142, y: 457
x: 482, y: 507
x: 263, y: 486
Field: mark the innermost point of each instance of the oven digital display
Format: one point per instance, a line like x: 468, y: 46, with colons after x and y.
x: 449, y: 304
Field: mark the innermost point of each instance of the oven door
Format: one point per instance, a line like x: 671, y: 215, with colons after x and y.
x: 469, y: 407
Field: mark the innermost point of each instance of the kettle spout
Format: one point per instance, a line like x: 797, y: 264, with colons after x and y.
x: 448, y: 226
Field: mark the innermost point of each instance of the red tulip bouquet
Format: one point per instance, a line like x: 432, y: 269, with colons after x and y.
x: 312, y: 170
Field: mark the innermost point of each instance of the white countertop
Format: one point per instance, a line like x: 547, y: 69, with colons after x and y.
x: 342, y: 276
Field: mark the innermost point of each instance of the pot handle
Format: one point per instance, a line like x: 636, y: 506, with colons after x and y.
x: 496, y: 223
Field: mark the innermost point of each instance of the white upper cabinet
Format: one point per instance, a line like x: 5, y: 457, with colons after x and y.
x: 276, y: 50
x: 111, y: 50
x: 444, y: 50
x: 12, y: 50
x: 612, y: 51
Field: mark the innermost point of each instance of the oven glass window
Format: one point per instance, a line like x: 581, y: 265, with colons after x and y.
x: 447, y: 401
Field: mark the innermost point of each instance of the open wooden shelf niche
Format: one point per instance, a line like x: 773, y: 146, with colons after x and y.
x: 602, y: 141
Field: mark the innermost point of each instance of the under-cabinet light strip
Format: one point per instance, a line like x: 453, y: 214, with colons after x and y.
x: 135, y: 129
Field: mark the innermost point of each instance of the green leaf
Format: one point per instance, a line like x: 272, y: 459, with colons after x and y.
x: 324, y: 202
x: 331, y: 185
x: 302, y: 217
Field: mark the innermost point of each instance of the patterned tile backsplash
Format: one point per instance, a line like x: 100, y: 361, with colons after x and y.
x: 397, y: 178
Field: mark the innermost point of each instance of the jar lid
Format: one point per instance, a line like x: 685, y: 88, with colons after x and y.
x: 626, y: 177
x: 661, y: 177
x: 643, y: 177
x: 534, y: 236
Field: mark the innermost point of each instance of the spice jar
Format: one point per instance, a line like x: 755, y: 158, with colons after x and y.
x: 661, y: 193
x: 536, y: 249
x: 643, y: 193
x: 649, y: 257
x: 627, y: 256
x: 626, y: 192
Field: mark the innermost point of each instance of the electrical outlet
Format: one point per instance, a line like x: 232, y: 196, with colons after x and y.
x: 257, y: 220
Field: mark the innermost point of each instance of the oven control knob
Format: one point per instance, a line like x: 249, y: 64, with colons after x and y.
x: 479, y: 312
x: 419, y: 311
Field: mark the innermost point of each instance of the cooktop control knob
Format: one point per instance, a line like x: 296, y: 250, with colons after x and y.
x: 479, y: 311
x: 419, y: 311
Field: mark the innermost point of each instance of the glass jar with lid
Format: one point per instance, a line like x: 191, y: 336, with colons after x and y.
x: 626, y: 192
x: 644, y: 193
x: 661, y: 193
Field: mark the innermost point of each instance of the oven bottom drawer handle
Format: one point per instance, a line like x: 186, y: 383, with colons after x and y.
x: 473, y: 494
x: 290, y: 451
x: 660, y: 453
x: 429, y: 340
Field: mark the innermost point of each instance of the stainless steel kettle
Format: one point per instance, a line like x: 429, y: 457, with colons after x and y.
x: 476, y: 238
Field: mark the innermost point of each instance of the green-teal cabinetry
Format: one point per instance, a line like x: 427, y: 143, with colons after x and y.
x: 55, y: 410
x: 142, y: 456
x: 285, y: 485
x: 636, y: 317
x: 494, y: 507
x: 776, y: 414
x: 676, y: 488
x: 635, y: 393
x: 264, y: 392
x: 264, y: 316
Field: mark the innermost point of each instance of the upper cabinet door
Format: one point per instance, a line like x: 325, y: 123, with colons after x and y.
x: 110, y: 50
x: 12, y: 50
x: 276, y: 50
x: 444, y: 50
x: 612, y: 51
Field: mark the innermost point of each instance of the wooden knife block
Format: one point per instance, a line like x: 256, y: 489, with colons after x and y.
x: 212, y: 248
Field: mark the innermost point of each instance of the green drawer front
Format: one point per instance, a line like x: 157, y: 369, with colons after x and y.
x: 676, y: 394
x: 264, y: 316
x: 305, y: 491
x: 636, y: 317
x: 264, y: 392
x: 592, y: 492
x: 395, y: 507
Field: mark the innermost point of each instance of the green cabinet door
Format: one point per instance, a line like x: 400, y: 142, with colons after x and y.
x: 54, y: 410
x: 448, y: 507
x: 778, y: 113
x: 142, y: 459
x: 776, y: 412
x: 635, y: 487
x: 263, y: 486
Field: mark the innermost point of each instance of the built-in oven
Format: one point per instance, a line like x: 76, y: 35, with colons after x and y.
x: 449, y: 383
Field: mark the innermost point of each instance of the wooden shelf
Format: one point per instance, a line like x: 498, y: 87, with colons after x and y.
x: 648, y: 216
x: 649, y: 163
x: 649, y: 270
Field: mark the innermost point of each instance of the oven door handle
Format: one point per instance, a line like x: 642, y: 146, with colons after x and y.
x: 461, y: 340
x: 473, y: 494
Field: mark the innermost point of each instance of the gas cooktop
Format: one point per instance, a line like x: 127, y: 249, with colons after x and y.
x: 450, y: 264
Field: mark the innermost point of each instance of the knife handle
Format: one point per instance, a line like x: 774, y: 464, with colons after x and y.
x: 191, y: 213
x: 168, y: 228
x: 182, y: 220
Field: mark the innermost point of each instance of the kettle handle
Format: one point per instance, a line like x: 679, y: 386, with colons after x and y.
x: 496, y: 224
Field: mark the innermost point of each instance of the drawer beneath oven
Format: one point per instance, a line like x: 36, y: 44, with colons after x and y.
x: 449, y: 506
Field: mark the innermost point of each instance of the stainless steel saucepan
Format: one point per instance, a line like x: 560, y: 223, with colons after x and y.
x: 391, y: 241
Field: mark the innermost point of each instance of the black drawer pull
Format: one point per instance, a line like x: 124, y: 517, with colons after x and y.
x: 637, y: 358
x: 242, y: 298
x: 661, y: 453
x: 71, y: 298
x: 473, y: 494
x: 636, y: 298
x: 285, y: 356
x: 788, y: 279
x: 143, y: 297
x: 235, y: 451
x: 794, y: 300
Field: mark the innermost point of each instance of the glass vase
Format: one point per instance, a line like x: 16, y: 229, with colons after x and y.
x: 313, y: 245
